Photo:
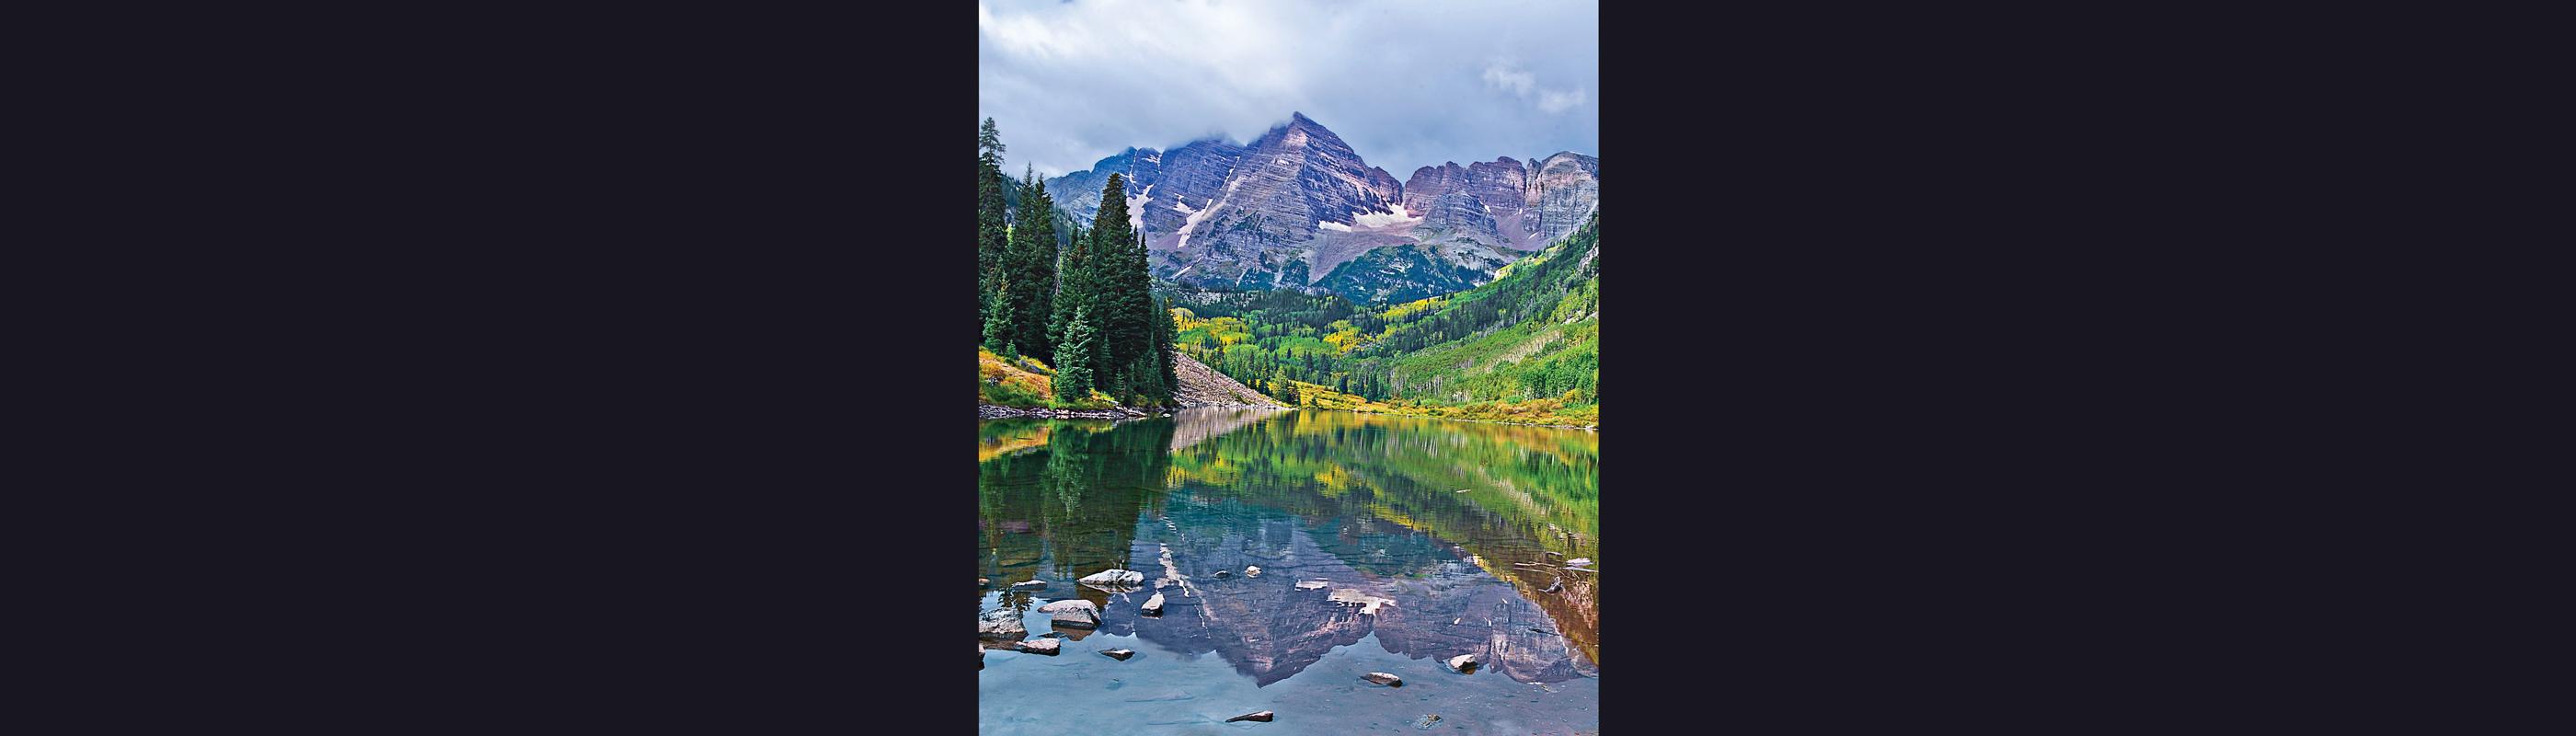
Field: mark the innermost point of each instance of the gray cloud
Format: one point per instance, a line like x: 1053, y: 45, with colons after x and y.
x: 1408, y: 84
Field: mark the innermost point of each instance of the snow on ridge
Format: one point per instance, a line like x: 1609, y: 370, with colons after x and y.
x: 1400, y: 216
x: 1183, y: 208
x: 1333, y: 226
x: 1190, y: 224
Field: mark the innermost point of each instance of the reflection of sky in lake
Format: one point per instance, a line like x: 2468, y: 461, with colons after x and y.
x: 1368, y: 506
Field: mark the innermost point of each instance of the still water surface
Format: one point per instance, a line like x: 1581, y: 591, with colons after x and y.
x: 1414, y: 572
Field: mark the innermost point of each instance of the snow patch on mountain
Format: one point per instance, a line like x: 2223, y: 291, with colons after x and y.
x: 1333, y: 226
x: 1400, y: 216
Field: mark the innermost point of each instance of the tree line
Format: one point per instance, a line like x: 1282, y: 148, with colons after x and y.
x: 1086, y: 307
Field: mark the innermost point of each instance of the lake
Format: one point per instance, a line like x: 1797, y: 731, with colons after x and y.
x: 1412, y: 572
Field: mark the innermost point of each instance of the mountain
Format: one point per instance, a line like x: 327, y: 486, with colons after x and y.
x: 1298, y: 209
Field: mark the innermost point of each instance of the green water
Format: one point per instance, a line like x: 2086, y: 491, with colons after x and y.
x: 1414, y: 572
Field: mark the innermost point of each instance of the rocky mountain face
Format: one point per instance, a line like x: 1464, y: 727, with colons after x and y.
x: 1298, y: 209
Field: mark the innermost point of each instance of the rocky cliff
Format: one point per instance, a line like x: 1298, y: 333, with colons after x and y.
x: 1298, y: 208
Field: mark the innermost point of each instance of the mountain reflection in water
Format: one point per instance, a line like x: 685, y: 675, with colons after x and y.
x: 1367, y: 504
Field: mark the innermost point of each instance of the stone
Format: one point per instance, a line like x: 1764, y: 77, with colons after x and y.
x: 1223, y: 574
x: 1114, y: 576
x: 1028, y: 584
x: 1073, y: 613
x: 1312, y: 585
x: 1119, y: 654
x: 1579, y: 561
x: 1049, y: 647
x: 1555, y: 555
x: 983, y: 582
x: 1263, y: 717
x: 979, y: 655
x: 1252, y: 571
x: 1463, y: 663
x: 1383, y: 679
x: 1001, y: 624
x: 1154, y: 605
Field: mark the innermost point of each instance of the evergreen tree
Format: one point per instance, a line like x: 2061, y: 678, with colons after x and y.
x: 1073, y: 376
x: 1165, y: 333
x: 1102, y: 282
x: 997, y: 320
x: 1071, y: 293
x: 1030, y: 264
x: 991, y: 231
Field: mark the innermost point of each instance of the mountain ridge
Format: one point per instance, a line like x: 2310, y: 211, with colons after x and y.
x: 1297, y: 208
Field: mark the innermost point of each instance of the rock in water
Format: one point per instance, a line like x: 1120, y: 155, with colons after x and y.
x: 1463, y: 663
x: 1154, y: 605
x: 1074, y: 613
x: 979, y: 656
x: 1312, y: 585
x: 1252, y: 571
x: 1049, y: 647
x: 1383, y: 679
x: 983, y: 582
x: 1223, y: 574
x: 1263, y: 717
x: 1115, y: 576
x: 1002, y: 624
x: 1028, y: 584
x: 1119, y: 654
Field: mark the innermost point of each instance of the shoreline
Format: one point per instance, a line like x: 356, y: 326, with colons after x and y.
x: 1121, y: 413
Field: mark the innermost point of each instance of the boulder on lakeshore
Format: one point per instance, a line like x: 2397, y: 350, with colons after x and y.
x: 1383, y: 679
x: 1463, y: 663
x: 1119, y: 654
x: 1263, y: 717
x: 1154, y: 605
x: 1074, y: 613
x: 1001, y: 624
x: 1114, y: 576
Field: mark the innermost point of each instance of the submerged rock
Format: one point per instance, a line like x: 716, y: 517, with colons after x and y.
x: 1383, y: 679
x: 1263, y: 717
x: 1119, y: 654
x: 1463, y: 663
x: 1154, y: 605
x: 1075, y: 613
x: 1001, y: 624
x: 1114, y: 576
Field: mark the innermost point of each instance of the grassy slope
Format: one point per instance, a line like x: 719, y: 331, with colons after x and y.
x: 1544, y: 369
x: 1025, y: 384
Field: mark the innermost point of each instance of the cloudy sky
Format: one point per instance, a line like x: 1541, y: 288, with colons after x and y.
x: 1408, y: 83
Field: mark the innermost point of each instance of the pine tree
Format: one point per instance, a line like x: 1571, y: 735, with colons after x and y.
x: 1102, y: 283
x: 1073, y: 377
x: 1030, y: 263
x: 991, y: 231
x: 1165, y: 333
x: 997, y: 320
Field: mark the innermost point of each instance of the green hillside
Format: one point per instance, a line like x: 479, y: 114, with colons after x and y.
x: 1525, y: 347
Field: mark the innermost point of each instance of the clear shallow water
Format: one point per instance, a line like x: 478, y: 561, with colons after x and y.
x: 1414, y: 572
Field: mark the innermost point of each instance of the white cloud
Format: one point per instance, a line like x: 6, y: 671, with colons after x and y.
x: 1501, y: 75
x: 1069, y: 83
x: 1559, y: 101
